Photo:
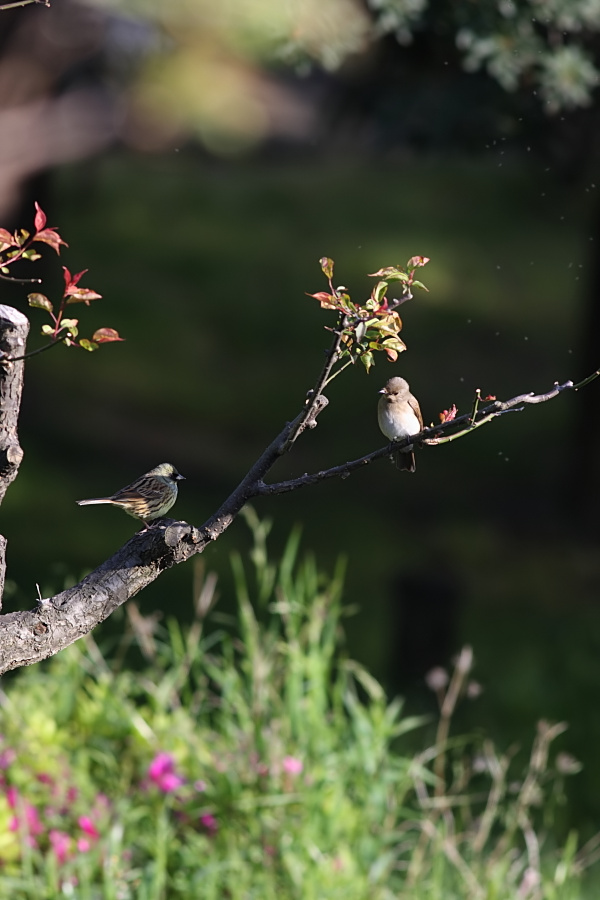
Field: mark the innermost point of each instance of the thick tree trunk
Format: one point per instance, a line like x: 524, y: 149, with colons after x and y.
x: 14, y: 327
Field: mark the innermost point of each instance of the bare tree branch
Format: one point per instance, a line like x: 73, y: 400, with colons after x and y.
x: 30, y: 636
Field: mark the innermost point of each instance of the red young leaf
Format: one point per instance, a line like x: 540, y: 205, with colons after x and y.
x: 81, y: 295
x: 71, y: 280
x: 40, y: 217
x: 416, y: 261
x: 448, y: 414
x: 490, y: 397
x: 7, y: 239
x: 49, y: 236
x: 326, y: 300
x: 105, y: 335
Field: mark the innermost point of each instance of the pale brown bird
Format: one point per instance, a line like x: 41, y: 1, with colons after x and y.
x: 399, y: 416
x: 149, y: 497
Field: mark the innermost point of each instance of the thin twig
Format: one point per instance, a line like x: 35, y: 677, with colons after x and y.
x: 4, y: 277
x: 5, y: 359
x: 427, y: 436
x: 16, y: 3
x: 308, y: 411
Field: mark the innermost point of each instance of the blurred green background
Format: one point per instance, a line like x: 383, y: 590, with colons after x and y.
x: 204, y: 264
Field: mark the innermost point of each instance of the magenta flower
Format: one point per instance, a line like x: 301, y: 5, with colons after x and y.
x: 162, y: 772
x: 292, y: 766
x: 88, y: 827
x: 209, y: 822
x: 12, y: 796
x: 44, y: 778
x: 7, y: 757
x: 60, y: 843
x: 83, y: 845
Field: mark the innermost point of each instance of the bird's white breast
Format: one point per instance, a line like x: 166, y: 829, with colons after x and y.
x: 397, y: 426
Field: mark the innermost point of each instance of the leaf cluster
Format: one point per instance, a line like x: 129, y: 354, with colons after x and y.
x: 20, y: 245
x: 374, y: 325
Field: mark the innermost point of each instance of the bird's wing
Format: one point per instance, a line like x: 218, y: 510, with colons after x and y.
x: 414, y: 405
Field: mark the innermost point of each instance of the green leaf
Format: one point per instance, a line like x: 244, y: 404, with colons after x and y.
x: 367, y: 360
x: 31, y: 255
x: 420, y: 284
x: 326, y: 266
x: 40, y: 301
x: 47, y: 329
x: 88, y: 345
x: 379, y: 291
x: 393, y: 343
x: 69, y: 323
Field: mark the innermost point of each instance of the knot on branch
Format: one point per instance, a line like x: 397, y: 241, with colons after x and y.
x: 10, y: 458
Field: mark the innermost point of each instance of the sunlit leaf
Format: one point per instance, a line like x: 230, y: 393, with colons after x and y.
x: 419, y: 284
x: 88, y: 345
x: 448, y: 414
x: 47, y: 329
x: 81, y: 295
x: 69, y: 323
x: 71, y: 280
x: 6, y: 239
x: 416, y: 261
x: 106, y: 335
x: 367, y: 360
x: 326, y: 266
x: 40, y: 217
x: 327, y: 301
x: 387, y: 272
x: 40, y: 301
x: 49, y: 236
x: 379, y: 291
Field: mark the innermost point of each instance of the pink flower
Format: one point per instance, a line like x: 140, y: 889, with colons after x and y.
x: 162, y: 772
x: 34, y: 825
x: 209, y: 822
x: 7, y: 757
x: 292, y: 766
x: 60, y: 842
x: 12, y: 795
x: 87, y: 826
x: 83, y: 845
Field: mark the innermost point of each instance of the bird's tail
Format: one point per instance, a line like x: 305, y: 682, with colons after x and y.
x: 404, y: 460
x: 94, y: 500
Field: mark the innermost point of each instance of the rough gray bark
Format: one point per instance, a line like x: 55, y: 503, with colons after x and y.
x: 14, y: 328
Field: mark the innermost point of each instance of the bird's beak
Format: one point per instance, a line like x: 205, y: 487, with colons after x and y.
x: 382, y: 391
x: 180, y: 477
